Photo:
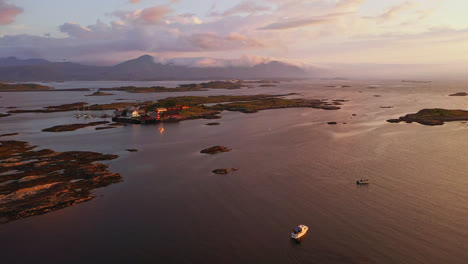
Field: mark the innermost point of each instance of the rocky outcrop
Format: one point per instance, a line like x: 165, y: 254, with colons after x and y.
x: 99, y: 93
x: 132, y: 150
x: 215, y: 150
x: 459, y: 94
x: 35, y: 182
x: 72, y: 127
x: 224, y: 171
x: 9, y: 135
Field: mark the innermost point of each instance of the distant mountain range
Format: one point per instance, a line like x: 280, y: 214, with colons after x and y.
x: 143, y: 68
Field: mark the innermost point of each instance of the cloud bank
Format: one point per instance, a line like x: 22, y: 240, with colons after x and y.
x: 319, y: 31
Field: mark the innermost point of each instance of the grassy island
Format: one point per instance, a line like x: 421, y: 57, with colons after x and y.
x: 73, y: 127
x: 99, y: 93
x: 433, y: 117
x: 192, y: 107
x: 193, y: 87
x: 23, y: 87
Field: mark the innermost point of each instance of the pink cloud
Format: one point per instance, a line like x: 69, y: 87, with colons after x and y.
x: 135, y: 1
x: 295, y: 23
x: 243, y: 7
x: 8, y: 12
x: 155, y: 14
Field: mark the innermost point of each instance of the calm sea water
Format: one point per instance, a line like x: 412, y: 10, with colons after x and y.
x: 293, y: 169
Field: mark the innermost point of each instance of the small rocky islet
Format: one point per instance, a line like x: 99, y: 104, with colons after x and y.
x: 132, y: 150
x: 73, y: 127
x: 99, y: 93
x: 9, y: 135
x: 215, y: 150
x: 459, y: 94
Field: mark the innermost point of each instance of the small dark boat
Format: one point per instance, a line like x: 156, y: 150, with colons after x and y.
x: 362, y: 182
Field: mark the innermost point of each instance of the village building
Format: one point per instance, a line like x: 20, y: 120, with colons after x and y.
x: 154, y: 115
x: 118, y: 113
x: 134, y: 114
x: 130, y: 108
x: 172, y: 113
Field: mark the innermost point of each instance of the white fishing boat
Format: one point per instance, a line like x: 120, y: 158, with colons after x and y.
x: 299, y: 231
x: 78, y: 114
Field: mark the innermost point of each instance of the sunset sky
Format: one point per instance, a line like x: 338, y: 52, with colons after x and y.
x: 309, y: 32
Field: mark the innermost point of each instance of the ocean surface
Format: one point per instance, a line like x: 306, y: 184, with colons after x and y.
x: 294, y: 169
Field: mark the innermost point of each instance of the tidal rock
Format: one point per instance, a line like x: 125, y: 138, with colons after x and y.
x: 132, y: 150
x: 225, y: 171
x: 393, y: 120
x: 215, y: 150
x: 9, y: 135
x: 459, y: 94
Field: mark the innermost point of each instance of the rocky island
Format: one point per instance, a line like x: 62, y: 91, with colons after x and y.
x: 35, y: 182
x: 74, y: 107
x: 433, y: 117
x: 190, y: 107
x: 193, y: 87
x: 73, y: 127
x: 23, y: 87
